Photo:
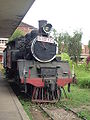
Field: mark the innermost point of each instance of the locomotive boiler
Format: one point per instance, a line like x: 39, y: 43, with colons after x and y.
x: 32, y: 63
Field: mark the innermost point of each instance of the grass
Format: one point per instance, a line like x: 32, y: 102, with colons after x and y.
x: 84, y: 114
x: 26, y: 105
x: 76, y: 99
x: 83, y: 76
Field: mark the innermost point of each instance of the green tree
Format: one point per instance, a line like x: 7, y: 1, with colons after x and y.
x: 58, y: 39
x: 74, y: 46
x: 66, y: 39
x: 62, y: 40
x: 89, y: 46
x: 17, y: 33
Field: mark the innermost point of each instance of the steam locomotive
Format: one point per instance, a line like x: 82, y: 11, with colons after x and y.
x: 32, y: 63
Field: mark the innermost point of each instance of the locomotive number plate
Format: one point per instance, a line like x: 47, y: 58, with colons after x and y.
x: 45, y: 39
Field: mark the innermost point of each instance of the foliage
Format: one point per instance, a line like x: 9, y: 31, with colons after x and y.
x: 58, y: 39
x: 82, y: 75
x: 69, y: 44
x: 66, y: 40
x: 26, y: 105
x: 65, y: 56
x: 74, y: 46
x: 88, y: 59
x: 84, y: 82
x: 55, y: 34
x: 88, y: 62
x: 89, y: 46
x: 1, y: 68
x: 17, y: 33
x: 62, y: 40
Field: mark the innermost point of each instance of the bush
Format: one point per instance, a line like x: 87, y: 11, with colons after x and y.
x: 66, y: 57
x: 88, y: 62
x: 88, y: 66
x: 1, y: 68
x: 84, y: 82
x: 83, y: 76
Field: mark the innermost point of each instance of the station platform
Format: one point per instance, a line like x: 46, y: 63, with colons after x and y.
x: 10, y: 107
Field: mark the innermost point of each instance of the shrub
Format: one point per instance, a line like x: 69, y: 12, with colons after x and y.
x: 84, y: 82
x: 66, y: 57
x: 1, y: 68
x: 88, y: 62
x: 88, y: 59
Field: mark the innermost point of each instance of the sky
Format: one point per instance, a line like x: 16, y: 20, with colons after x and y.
x: 64, y: 15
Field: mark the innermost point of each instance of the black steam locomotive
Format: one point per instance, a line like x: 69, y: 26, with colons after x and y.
x: 32, y: 63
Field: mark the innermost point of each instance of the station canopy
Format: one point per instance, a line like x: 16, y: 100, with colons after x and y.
x: 11, y: 14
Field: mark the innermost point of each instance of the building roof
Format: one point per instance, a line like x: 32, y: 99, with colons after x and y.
x: 25, y: 28
x: 22, y: 24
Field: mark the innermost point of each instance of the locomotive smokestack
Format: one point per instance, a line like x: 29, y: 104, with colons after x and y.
x: 41, y: 24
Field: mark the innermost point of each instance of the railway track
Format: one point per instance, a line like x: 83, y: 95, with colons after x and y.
x: 54, y: 113
x: 59, y: 113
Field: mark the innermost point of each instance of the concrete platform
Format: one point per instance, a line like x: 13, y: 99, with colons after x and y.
x: 10, y: 107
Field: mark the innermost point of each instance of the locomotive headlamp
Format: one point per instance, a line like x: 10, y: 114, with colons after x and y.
x: 47, y: 28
